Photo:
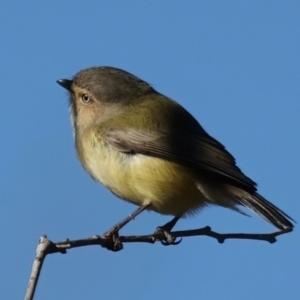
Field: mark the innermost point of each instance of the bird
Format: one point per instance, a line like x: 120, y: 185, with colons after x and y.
x: 150, y: 151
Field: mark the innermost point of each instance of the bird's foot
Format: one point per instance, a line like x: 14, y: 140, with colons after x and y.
x: 165, y: 236
x: 112, y: 236
x: 113, y: 241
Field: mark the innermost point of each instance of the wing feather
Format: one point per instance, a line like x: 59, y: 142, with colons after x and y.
x: 197, y: 150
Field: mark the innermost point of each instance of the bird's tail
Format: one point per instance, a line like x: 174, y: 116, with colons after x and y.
x: 265, y: 209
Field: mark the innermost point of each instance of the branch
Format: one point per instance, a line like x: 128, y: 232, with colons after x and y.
x: 46, y: 246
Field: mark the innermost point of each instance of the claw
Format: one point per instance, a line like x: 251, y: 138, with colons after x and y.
x: 168, y: 239
x: 112, y: 236
x: 168, y: 243
x: 113, y: 242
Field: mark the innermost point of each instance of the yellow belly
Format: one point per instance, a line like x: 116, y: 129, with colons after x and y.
x: 169, y: 187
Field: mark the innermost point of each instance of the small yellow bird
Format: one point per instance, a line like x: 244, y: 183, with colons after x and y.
x: 147, y: 149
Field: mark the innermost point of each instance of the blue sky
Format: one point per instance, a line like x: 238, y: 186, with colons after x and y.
x: 233, y: 64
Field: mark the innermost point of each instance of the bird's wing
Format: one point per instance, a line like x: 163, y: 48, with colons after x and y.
x: 197, y: 150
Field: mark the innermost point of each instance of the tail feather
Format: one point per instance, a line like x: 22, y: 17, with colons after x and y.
x: 266, y: 210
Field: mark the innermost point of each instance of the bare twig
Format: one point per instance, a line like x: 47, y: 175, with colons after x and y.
x: 46, y: 246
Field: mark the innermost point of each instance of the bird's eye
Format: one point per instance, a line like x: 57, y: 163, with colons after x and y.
x: 85, y: 98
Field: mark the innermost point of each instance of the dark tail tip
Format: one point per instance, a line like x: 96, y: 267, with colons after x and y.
x: 267, y: 211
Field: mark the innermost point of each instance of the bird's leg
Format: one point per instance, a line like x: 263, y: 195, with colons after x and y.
x: 166, y: 231
x: 113, y: 233
x: 130, y: 217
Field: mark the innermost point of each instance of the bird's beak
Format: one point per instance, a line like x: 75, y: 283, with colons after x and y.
x: 65, y: 83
